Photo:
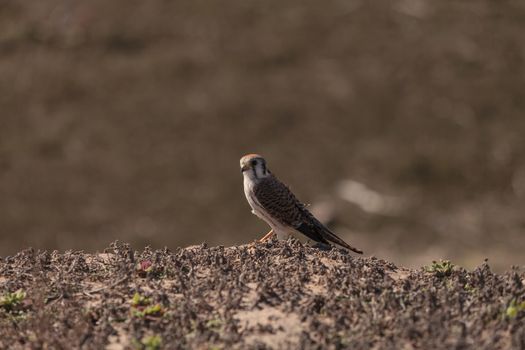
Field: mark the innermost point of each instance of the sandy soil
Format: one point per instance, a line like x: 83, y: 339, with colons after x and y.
x: 276, y: 295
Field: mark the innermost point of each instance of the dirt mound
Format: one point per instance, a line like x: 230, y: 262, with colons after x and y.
x: 272, y: 295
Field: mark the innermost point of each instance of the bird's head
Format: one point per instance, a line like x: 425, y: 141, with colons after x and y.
x: 254, y: 166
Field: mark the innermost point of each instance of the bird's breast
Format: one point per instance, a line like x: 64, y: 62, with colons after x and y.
x: 257, y: 208
x: 250, y: 193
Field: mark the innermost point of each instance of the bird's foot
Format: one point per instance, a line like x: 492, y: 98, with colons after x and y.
x: 267, y: 236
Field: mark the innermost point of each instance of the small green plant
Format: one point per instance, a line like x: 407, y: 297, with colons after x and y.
x: 153, y: 310
x: 441, y: 268
x: 214, y: 323
x: 514, y: 308
x: 215, y: 347
x: 140, y: 300
x: 10, y: 301
x: 150, y: 342
x: 141, y: 307
x: 470, y: 288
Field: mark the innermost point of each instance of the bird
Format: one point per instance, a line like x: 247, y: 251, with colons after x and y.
x: 273, y: 202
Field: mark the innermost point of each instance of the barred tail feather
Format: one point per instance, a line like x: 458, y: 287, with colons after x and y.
x: 329, y: 235
x: 319, y: 233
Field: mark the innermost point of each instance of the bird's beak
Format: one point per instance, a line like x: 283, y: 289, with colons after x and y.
x: 244, y: 168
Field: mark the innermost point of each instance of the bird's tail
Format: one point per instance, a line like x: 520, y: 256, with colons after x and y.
x: 332, y: 237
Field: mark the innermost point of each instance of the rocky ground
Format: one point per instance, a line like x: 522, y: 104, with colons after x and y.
x: 272, y: 295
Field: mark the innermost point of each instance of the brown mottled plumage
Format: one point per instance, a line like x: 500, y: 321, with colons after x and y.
x: 273, y: 202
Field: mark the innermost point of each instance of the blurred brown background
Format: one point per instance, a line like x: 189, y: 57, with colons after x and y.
x: 402, y: 122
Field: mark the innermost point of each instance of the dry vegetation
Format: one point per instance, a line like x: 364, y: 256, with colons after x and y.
x: 273, y: 295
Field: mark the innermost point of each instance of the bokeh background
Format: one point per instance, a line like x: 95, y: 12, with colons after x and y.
x: 401, y: 121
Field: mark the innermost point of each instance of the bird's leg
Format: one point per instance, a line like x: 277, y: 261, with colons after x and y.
x: 267, y: 236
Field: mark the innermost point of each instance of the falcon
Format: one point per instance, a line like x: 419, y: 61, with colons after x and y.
x: 272, y: 201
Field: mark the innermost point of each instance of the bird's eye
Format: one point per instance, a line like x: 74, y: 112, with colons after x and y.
x: 254, y: 162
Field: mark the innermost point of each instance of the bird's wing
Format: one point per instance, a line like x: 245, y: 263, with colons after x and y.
x: 277, y: 199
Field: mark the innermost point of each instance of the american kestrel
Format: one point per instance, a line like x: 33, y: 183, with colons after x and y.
x: 272, y: 201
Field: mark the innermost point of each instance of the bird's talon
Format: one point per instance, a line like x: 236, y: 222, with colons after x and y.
x: 266, y: 236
